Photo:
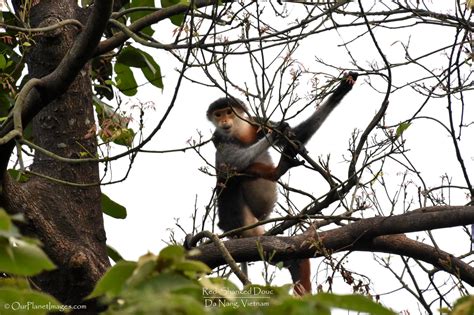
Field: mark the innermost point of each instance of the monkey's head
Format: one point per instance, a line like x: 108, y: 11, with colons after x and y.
x: 225, y: 114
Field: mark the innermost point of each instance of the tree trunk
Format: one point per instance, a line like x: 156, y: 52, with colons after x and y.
x: 66, y: 218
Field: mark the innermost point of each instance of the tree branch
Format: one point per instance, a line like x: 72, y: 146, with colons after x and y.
x: 373, y: 234
x: 119, y: 38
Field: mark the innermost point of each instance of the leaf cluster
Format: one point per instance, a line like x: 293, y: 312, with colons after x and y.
x: 21, y: 257
x: 171, y: 283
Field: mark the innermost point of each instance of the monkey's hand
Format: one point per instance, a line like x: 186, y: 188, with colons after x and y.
x: 347, y: 83
x: 351, y: 77
x: 288, y: 141
x: 283, y: 134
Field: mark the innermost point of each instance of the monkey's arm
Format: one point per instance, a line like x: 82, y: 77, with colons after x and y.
x: 305, y: 130
x: 239, y: 157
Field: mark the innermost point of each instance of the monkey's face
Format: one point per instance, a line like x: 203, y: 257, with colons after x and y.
x: 226, y: 120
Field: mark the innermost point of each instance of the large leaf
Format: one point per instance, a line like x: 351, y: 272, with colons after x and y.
x: 356, y: 303
x: 152, y: 71
x: 18, y: 176
x: 134, y: 57
x: 114, y: 254
x: 291, y: 305
x: 178, y: 18
x: 169, y: 256
x: 168, y: 282
x: 192, y: 268
x: 146, y: 266
x: 15, y: 301
x: 139, y: 14
x: 5, y: 221
x: 7, y: 228
x: 125, y: 80
x: 112, y: 208
x: 22, y: 258
x: 3, y: 62
x: 113, y: 282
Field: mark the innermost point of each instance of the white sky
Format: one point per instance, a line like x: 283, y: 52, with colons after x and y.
x: 163, y: 187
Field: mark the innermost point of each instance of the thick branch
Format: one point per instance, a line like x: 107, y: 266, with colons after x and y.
x: 373, y: 234
x: 404, y: 246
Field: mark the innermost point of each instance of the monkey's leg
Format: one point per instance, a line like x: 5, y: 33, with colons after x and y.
x: 300, y: 270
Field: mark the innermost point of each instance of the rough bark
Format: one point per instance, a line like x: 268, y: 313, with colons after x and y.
x: 67, y: 219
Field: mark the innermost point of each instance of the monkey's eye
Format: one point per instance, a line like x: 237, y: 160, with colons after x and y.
x: 229, y: 112
x: 217, y: 114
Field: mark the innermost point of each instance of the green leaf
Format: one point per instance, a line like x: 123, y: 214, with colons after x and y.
x: 114, y: 254
x: 192, y: 268
x: 22, y: 258
x: 112, y: 208
x: 3, y: 62
x: 138, y: 15
x: 18, y: 176
x: 125, y: 80
x: 168, y: 282
x: 5, y: 221
x: 15, y: 282
x: 290, y: 305
x: 124, y: 4
x: 113, y: 282
x: 123, y: 136
x: 148, y: 303
x: 356, y: 303
x: 463, y: 306
x: 15, y: 301
x: 169, y: 256
x: 146, y: 266
x: 401, y: 128
x: 7, y: 228
x: 177, y: 19
x: 6, y: 102
x: 85, y: 3
x: 152, y: 71
x: 134, y: 57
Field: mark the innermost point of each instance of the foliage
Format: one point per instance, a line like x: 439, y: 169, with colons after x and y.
x: 171, y: 283
x: 463, y: 306
x: 178, y: 18
x: 12, y: 64
x: 21, y: 257
x: 112, y: 208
